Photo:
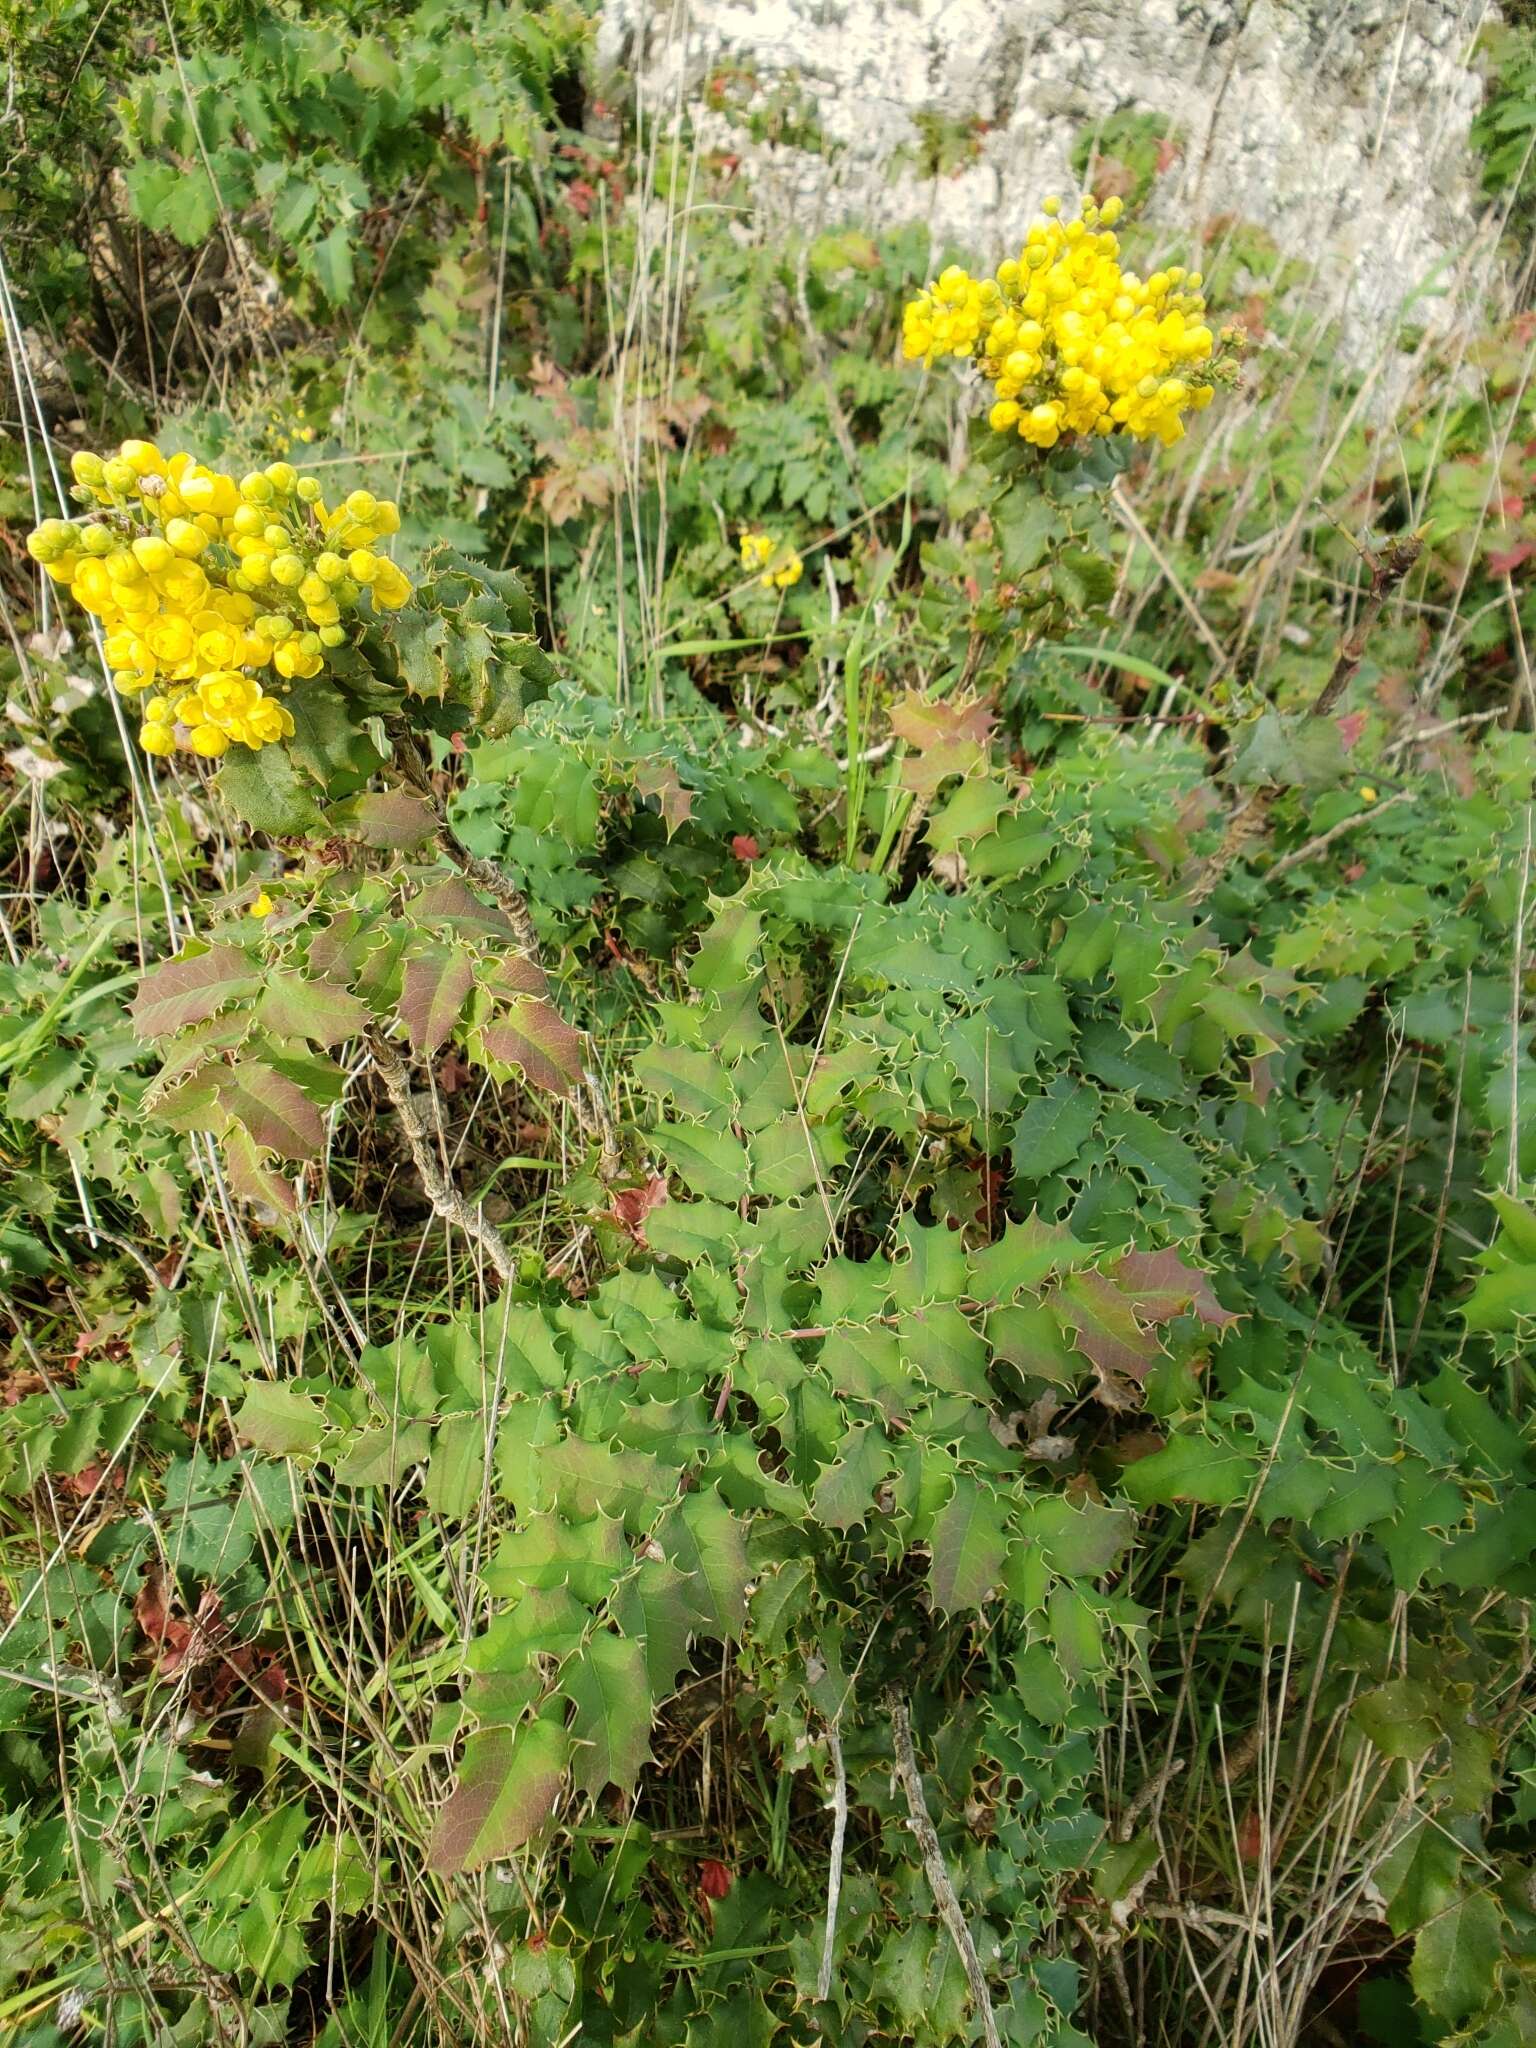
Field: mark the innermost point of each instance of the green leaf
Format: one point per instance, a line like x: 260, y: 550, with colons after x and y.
x: 508, y: 1784
x: 607, y: 1686
x: 455, y: 1483
x: 1082, y: 578
x: 1456, y: 1957
x: 845, y: 1492
x: 45, y: 1084
x: 1190, y: 1468
x: 331, y: 260
x: 189, y: 988
x: 279, y: 1419
x: 292, y: 1006
x: 1400, y: 1717
x: 173, y: 200
x: 262, y: 786
x: 969, y: 1542
x: 1054, y: 1128
x: 726, y: 961
x: 710, y: 1162
x: 704, y: 1540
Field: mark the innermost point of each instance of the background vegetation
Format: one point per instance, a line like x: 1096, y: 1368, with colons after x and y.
x: 1011, y: 1247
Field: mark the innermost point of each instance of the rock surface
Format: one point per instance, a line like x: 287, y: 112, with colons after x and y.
x: 1342, y: 128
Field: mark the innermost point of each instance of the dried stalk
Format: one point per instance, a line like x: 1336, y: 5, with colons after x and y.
x: 1324, y: 840
x: 835, y: 1869
x: 938, y: 1876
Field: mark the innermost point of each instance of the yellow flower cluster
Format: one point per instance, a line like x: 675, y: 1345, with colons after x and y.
x: 216, y: 596
x: 1073, y: 343
x: 775, y: 565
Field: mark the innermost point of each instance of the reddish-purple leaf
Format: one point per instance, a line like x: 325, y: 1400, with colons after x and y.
x: 1161, y: 1287
x: 251, y: 1175
x: 508, y: 1784
x: 391, y: 818
x: 451, y: 903
x: 276, y: 1112
x: 436, y: 986
x: 537, y: 1038
x: 188, y: 989
x: 1104, y: 1328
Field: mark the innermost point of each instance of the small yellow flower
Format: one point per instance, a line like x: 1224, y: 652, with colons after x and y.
x: 263, y: 906
x: 1367, y: 794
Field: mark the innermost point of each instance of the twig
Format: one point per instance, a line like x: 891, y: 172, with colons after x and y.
x: 1387, y: 572
x: 498, y: 883
x: 1325, y: 839
x: 1434, y: 732
x: 1153, y: 1789
x: 835, y: 1869
x: 439, y: 1190
x: 938, y: 1876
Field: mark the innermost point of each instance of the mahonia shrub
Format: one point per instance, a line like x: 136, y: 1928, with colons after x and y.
x: 216, y: 597
x: 1072, y: 343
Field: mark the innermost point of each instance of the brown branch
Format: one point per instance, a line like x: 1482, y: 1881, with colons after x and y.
x: 1387, y: 572
x: 938, y: 1876
x: 438, y: 1188
x: 498, y: 883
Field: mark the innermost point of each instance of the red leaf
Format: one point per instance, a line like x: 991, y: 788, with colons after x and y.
x: 745, y: 847
x: 1351, y: 725
x: 1506, y: 561
x: 631, y: 1206
x: 715, y: 1880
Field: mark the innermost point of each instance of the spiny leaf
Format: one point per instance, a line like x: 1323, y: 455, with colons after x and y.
x: 453, y: 903
x: 434, y: 989
x: 1054, y: 1128
x: 1104, y: 1328
x: 968, y: 1543
x: 1161, y: 1286
x: 1023, y: 1257
x: 508, y: 1784
x: 188, y: 989
x: 272, y: 1108
x: 611, y: 1726
x: 251, y: 1175
x: 1456, y: 1957
x: 705, y: 1541
x: 292, y: 1006
x: 946, y: 738
x: 534, y: 1036
x: 279, y: 1419
x: 264, y: 788
x: 845, y: 1492
x: 393, y: 818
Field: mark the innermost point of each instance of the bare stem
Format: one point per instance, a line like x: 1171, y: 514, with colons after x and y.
x: 835, y: 1870
x: 938, y: 1876
x: 438, y: 1188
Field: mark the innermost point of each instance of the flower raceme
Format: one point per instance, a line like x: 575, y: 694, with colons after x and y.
x: 1072, y: 343
x: 216, y: 597
x: 775, y: 565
